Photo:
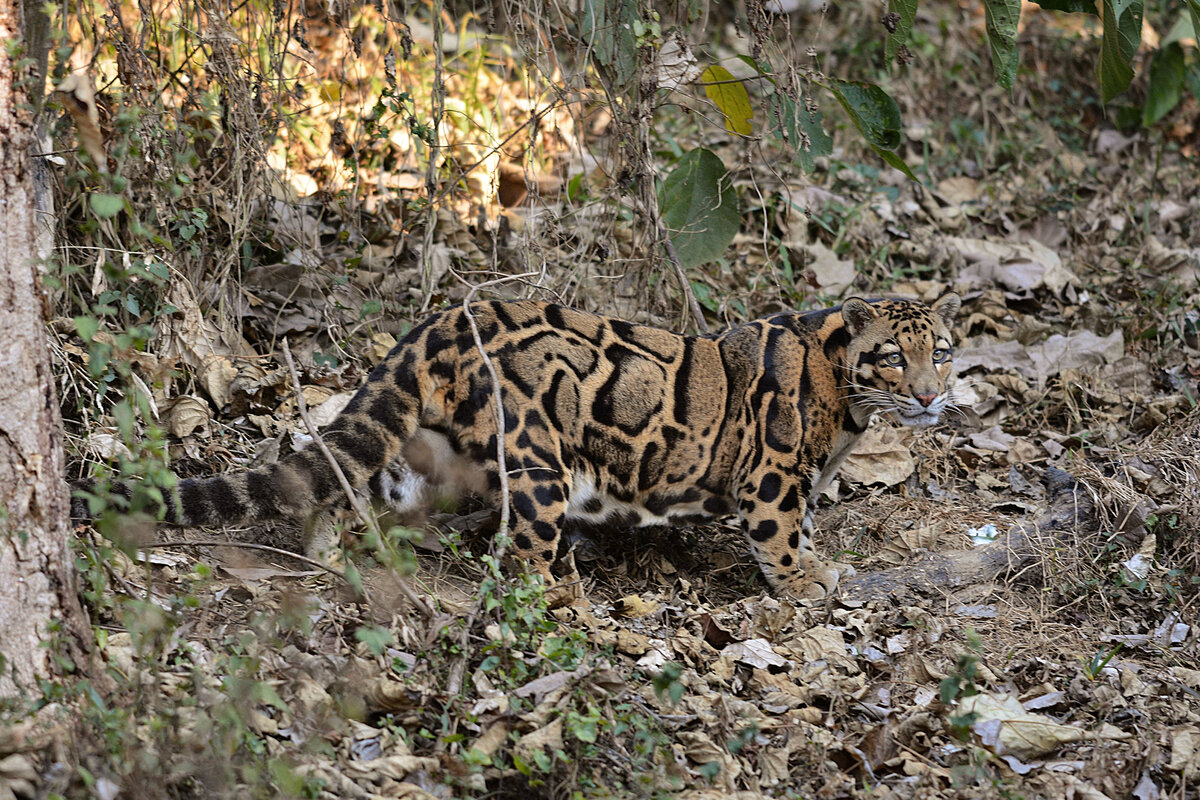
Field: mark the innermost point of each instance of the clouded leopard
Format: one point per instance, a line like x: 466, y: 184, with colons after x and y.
x: 610, y: 421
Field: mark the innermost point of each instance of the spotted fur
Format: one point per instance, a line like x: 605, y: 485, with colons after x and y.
x: 610, y: 421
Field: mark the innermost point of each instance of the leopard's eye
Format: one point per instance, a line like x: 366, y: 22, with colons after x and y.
x: 941, y: 354
x: 893, y: 360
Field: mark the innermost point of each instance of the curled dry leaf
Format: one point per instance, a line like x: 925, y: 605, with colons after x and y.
x: 882, y: 457
x: 76, y: 95
x: 1006, y: 728
x: 633, y: 606
x: 216, y: 376
x: 756, y: 653
x: 187, y: 414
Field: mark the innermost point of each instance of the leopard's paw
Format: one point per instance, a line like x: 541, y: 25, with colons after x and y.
x: 818, y: 579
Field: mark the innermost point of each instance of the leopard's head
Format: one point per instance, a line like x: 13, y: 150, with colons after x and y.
x: 899, y: 359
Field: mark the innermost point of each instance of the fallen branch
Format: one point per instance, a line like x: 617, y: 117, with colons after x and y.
x: 312, y: 562
x: 1070, y: 506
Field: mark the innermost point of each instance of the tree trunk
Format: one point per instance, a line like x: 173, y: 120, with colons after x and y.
x: 38, y: 601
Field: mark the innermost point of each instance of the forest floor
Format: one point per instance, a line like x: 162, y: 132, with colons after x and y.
x: 678, y: 673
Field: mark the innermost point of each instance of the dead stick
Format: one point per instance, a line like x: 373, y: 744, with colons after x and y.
x: 355, y: 503
x: 248, y: 546
x: 458, y: 668
x: 1069, y: 506
x: 685, y: 285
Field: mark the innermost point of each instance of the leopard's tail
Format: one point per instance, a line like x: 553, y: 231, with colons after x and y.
x: 363, y: 439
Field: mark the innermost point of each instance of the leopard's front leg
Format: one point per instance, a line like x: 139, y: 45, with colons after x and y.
x: 774, y: 516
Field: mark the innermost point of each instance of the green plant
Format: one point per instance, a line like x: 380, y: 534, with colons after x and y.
x: 961, y: 683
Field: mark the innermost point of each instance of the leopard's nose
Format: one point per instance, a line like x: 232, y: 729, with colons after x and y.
x: 925, y: 399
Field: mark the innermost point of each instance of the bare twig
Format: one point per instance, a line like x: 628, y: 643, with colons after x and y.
x: 497, y: 397
x: 312, y: 562
x: 355, y: 502
x: 437, y: 96
x: 457, y: 669
x: 688, y: 294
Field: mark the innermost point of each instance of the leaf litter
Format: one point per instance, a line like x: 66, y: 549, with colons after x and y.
x: 1075, y: 676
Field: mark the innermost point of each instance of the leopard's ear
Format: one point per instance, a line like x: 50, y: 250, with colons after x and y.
x: 947, y: 307
x: 857, y: 314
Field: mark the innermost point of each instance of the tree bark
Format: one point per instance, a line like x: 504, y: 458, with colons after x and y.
x: 38, y: 600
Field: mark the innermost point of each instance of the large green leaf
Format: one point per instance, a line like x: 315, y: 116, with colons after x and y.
x: 876, y: 116
x: 105, y: 205
x: 1073, y: 6
x: 873, y: 111
x: 1002, y: 18
x: 700, y: 207
x: 906, y: 14
x: 731, y: 97
x: 800, y: 127
x: 1165, y: 85
x: 1122, y: 36
x: 1194, y: 12
x: 611, y: 37
x: 1192, y: 79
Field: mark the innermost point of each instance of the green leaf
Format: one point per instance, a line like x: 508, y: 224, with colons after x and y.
x: 757, y: 67
x: 800, y: 127
x: 876, y: 116
x: 87, y: 327
x: 1192, y: 79
x: 700, y: 207
x: 1165, y: 86
x: 1122, y: 36
x: 895, y: 161
x: 611, y: 38
x: 266, y: 694
x: 105, y: 206
x: 1072, y: 6
x: 285, y: 779
x: 906, y: 10
x: 1002, y: 19
x: 1194, y: 13
x: 730, y: 96
x: 873, y: 112
x: 376, y: 638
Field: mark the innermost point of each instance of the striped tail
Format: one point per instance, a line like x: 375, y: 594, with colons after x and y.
x: 365, y: 437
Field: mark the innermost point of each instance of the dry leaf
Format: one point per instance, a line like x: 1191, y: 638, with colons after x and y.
x: 1039, y: 362
x: 1185, y: 740
x: 76, y: 95
x: 756, y: 653
x: 187, y: 413
x: 1018, y: 267
x: 632, y: 606
x: 1006, y: 728
x: 832, y: 274
x: 216, y: 376
x: 881, y: 457
x: 538, y: 740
